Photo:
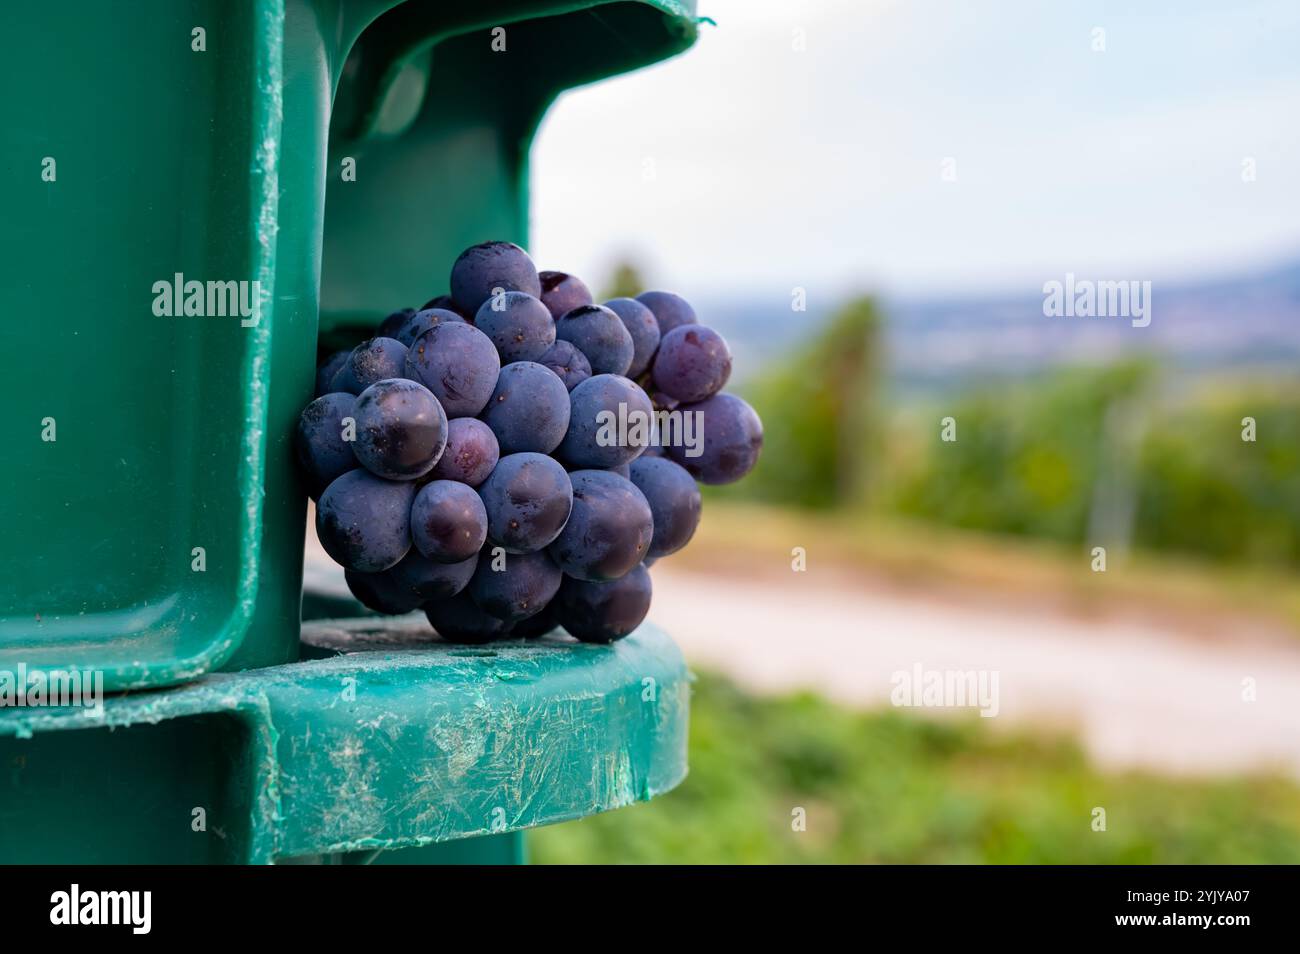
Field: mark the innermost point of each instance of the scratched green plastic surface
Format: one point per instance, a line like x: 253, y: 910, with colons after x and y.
x: 174, y: 433
x: 383, y: 742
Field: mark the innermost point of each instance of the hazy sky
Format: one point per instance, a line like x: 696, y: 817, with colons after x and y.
x: 823, y: 168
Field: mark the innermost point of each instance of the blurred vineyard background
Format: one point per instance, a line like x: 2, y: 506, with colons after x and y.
x: 1132, y: 443
x: 866, y: 198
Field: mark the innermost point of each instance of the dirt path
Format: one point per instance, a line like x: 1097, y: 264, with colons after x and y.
x: 1139, y: 692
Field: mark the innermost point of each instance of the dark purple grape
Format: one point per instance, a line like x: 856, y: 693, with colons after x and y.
x: 670, y: 310
x: 375, y: 360
x: 448, y: 522
x: 327, y: 369
x: 599, y: 334
x: 421, y: 321
x: 528, y: 498
x: 563, y: 292
x: 610, y: 421
x: 380, y: 592
x: 641, y: 325
x: 539, y: 624
x: 731, y: 438
x: 459, y: 620
x: 674, y: 501
x: 390, y: 326
x: 608, y: 531
x: 415, y: 580
x: 440, y: 301
x: 518, y: 324
x: 693, y: 363
x: 401, y: 429
x: 430, y: 580
x: 529, y: 410
x: 364, y: 521
x: 514, y: 587
x: 446, y: 304
x: 568, y: 363
x: 603, y: 612
x: 482, y: 268
x: 323, y: 451
x: 471, y: 452
x: 458, y: 363
x: 663, y: 402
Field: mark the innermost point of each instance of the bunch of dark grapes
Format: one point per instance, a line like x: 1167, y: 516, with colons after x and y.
x: 513, y: 456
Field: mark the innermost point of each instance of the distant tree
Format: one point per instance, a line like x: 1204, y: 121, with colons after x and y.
x: 817, y: 411
x: 624, y: 282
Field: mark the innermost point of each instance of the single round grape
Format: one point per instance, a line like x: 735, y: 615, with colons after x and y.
x: 693, y: 363
x: 519, y: 325
x: 327, y: 369
x: 421, y: 321
x: 674, y: 500
x: 670, y: 310
x: 528, y: 410
x: 563, y: 292
x: 458, y: 363
x: 415, y: 580
x: 430, y: 580
x: 471, y: 452
x: 380, y: 592
x: 528, y: 498
x: 610, y: 423
x: 448, y: 522
x: 364, y: 521
x: 401, y: 429
x: 569, y: 364
x: 641, y: 325
x: 319, y: 441
x: 609, y: 530
x: 391, y: 325
x: 600, y: 335
x: 459, y: 620
x: 519, y: 587
x: 603, y: 612
x: 491, y: 265
x: 375, y: 360
x: 732, y: 436
x: 446, y: 304
x: 539, y: 624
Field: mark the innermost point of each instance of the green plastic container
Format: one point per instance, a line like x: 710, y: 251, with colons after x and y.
x: 381, y: 741
x: 153, y: 523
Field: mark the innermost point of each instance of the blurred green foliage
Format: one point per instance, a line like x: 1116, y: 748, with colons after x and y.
x: 625, y: 281
x: 1027, y: 456
x: 1206, y: 491
x: 815, y: 407
x: 889, y: 786
x: 1034, y: 459
x: 1120, y: 454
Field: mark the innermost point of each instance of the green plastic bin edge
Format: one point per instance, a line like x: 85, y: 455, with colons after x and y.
x: 401, y: 743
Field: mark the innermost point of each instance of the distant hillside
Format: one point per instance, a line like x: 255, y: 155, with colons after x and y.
x: 1245, y: 321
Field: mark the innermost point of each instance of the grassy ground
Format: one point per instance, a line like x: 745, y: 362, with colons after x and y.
x: 892, y: 787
